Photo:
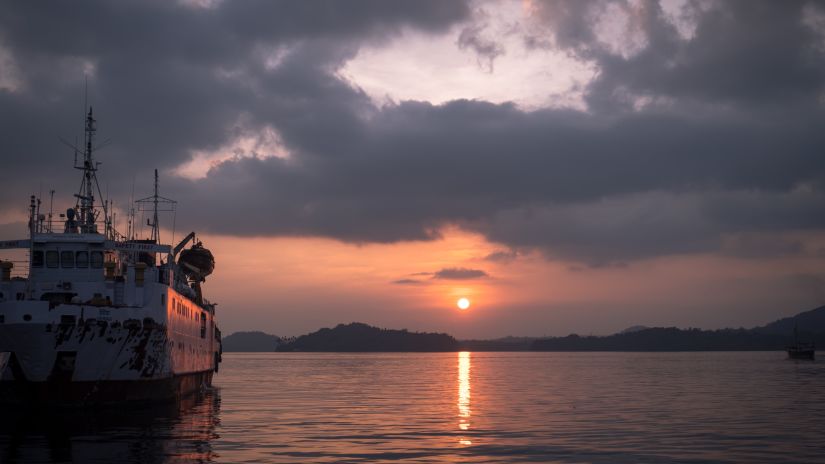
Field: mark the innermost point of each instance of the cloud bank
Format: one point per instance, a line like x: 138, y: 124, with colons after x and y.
x: 702, y: 131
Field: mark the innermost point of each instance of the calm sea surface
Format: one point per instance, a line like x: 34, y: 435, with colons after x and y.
x: 460, y: 407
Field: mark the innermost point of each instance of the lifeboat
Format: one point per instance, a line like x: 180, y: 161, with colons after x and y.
x: 197, y: 262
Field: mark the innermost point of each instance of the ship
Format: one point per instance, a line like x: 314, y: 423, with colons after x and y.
x: 800, y: 350
x: 102, y: 317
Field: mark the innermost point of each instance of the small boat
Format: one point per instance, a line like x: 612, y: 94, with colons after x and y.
x: 800, y: 350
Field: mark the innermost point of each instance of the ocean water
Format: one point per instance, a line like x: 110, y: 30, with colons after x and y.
x: 460, y: 407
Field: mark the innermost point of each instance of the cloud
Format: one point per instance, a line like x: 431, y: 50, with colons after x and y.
x: 459, y: 273
x: 486, y: 49
x: 742, y: 53
x: 502, y: 256
x: 687, y: 145
x: 169, y: 79
x: 449, y: 273
x: 408, y: 282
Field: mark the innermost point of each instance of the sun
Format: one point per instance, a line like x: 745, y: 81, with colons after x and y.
x: 463, y: 303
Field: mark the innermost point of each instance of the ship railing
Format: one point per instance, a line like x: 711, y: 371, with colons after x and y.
x: 58, y: 226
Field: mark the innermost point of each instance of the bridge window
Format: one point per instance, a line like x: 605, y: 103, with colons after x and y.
x: 52, y: 259
x: 37, y: 258
x: 96, y: 261
x: 67, y: 259
x: 82, y: 259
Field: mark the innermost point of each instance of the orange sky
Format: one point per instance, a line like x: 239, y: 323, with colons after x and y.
x: 290, y: 286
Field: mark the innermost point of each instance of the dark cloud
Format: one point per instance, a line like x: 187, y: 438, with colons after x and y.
x: 741, y: 52
x: 503, y: 256
x: 408, y: 282
x: 459, y: 273
x: 687, y: 146
x: 167, y: 79
x: 582, y: 187
x: 451, y: 273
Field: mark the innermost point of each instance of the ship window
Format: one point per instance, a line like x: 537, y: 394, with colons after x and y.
x: 67, y: 259
x: 97, y: 259
x: 52, y: 259
x: 37, y: 258
x: 82, y: 259
x: 203, y: 325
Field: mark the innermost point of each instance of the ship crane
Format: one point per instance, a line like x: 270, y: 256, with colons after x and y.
x: 182, y: 244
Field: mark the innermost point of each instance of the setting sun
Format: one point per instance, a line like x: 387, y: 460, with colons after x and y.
x: 463, y: 303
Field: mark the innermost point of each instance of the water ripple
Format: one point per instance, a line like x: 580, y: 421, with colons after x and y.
x: 460, y: 407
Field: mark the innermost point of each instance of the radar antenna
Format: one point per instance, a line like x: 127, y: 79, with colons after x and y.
x: 157, y: 204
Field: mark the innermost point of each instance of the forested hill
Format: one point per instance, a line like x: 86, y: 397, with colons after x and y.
x: 362, y: 337
x: 250, y: 342
x: 774, y: 336
x: 812, y: 321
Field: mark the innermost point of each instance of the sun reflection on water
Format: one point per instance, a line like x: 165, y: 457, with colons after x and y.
x: 464, y: 395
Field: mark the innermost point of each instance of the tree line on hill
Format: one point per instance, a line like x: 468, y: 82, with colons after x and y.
x: 362, y: 337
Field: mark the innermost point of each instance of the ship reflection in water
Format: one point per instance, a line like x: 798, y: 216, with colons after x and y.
x: 464, y: 395
x: 181, y: 432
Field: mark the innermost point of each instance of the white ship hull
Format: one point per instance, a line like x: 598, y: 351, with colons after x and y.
x: 79, y: 354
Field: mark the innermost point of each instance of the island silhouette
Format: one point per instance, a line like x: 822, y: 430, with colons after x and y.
x: 360, y: 337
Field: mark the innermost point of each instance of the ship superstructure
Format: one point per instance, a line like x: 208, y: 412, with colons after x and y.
x: 104, y: 317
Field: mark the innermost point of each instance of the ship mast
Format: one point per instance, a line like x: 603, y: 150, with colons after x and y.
x: 155, y: 228
x: 156, y: 203
x: 86, y: 196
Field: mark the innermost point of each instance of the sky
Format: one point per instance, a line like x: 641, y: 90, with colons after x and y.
x: 568, y: 166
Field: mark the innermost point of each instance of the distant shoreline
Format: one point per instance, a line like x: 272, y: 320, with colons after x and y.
x: 362, y: 338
